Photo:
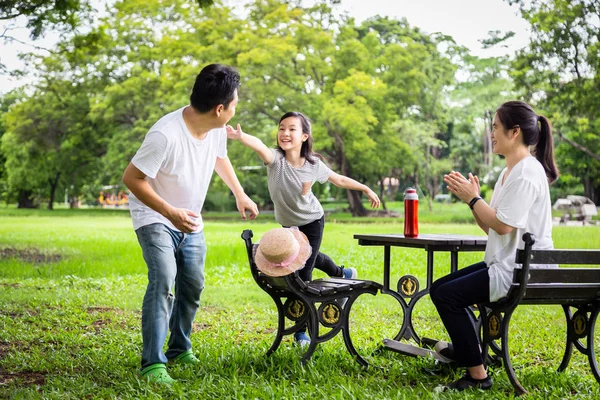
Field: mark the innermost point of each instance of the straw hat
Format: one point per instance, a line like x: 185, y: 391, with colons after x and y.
x: 282, y: 251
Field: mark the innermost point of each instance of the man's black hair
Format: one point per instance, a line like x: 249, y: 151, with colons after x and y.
x: 215, y: 84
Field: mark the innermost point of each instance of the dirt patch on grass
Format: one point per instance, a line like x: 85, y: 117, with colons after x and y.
x: 98, y: 309
x: 19, y: 314
x: 21, y: 378
x: 29, y: 255
x: 197, y: 327
x: 6, y: 347
x: 100, y: 324
x: 108, y: 316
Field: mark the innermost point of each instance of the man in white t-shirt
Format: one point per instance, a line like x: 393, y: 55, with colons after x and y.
x: 168, y: 178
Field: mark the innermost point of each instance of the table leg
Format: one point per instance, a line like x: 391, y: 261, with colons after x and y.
x: 407, y: 330
x: 386, y: 268
x: 425, y: 341
x: 453, y: 261
x: 430, y: 255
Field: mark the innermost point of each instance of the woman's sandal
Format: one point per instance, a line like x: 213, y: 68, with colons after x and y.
x: 156, y: 373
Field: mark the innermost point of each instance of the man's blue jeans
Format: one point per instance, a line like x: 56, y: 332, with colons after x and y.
x: 174, y: 259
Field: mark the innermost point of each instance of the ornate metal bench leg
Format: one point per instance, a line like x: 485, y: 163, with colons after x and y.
x: 313, y: 328
x: 519, y: 389
x: 280, y: 327
x: 351, y: 349
x: 346, y: 334
x: 591, y: 347
x: 491, y: 352
x: 570, y: 339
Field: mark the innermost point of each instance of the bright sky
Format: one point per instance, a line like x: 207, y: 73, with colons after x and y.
x: 467, y: 21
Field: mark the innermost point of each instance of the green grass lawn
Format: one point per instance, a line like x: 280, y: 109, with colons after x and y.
x: 71, y: 287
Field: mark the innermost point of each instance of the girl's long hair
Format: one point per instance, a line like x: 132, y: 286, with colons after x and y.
x: 306, y: 151
x: 536, y: 130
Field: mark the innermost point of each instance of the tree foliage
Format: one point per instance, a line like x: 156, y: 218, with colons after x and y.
x: 385, y: 98
x: 561, y: 68
x: 45, y: 14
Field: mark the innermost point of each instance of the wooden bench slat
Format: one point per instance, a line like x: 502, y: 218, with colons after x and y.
x: 560, y: 275
x: 351, y: 284
x: 561, y: 256
x: 325, y: 284
x: 552, y: 292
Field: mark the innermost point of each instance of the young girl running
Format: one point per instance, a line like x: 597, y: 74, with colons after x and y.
x: 292, y: 169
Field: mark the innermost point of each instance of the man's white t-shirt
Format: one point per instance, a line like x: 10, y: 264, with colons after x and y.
x: 523, y: 202
x: 178, y: 166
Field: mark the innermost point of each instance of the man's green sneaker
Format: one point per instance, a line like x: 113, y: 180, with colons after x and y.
x: 187, y: 357
x: 156, y: 373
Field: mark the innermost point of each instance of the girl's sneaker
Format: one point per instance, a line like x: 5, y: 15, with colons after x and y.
x: 301, y: 339
x: 349, y: 273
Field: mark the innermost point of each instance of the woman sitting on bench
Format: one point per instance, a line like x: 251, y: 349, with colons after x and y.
x: 520, y: 203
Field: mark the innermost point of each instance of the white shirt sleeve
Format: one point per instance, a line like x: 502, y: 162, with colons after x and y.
x: 222, y: 145
x: 514, y: 205
x: 152, y: 153
x: 323, y: 172
x: 276, y: 157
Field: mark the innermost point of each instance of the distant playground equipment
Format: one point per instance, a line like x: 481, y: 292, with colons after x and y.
x: 110, y: 199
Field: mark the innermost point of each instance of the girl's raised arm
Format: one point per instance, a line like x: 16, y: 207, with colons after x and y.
x: 252, y: 142
x: 348, y: 183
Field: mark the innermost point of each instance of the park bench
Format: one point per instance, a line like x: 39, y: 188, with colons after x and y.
x: 325, y: 302
x: 577, y: 290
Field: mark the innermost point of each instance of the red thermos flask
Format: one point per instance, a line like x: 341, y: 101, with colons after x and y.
x: 411, y: 213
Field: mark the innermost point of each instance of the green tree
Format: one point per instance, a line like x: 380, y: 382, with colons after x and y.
x: 485, y: 84
x: 5, y: 103
x: 561, y: 68
x: 45, y: 14
x: 374, y: 91
x: 344, y: 78
x: 50, y: 142
x: 164, y: 50
x: 42, y: 15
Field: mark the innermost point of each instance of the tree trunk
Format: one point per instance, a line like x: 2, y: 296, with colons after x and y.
x: 590, y: 191
x: 74, y: 202
x: 578, y: 146
x: 428, y: 177
x: 25, y: 199
x: 356, y: 207
x: 382, y: 191
x: 488, y: 154
x: 354, y: 198
x: 53, y: 184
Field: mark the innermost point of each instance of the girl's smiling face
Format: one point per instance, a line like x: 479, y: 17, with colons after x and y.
x: 290, y: 135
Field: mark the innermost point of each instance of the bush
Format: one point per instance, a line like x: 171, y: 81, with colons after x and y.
x: 219, y: 201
